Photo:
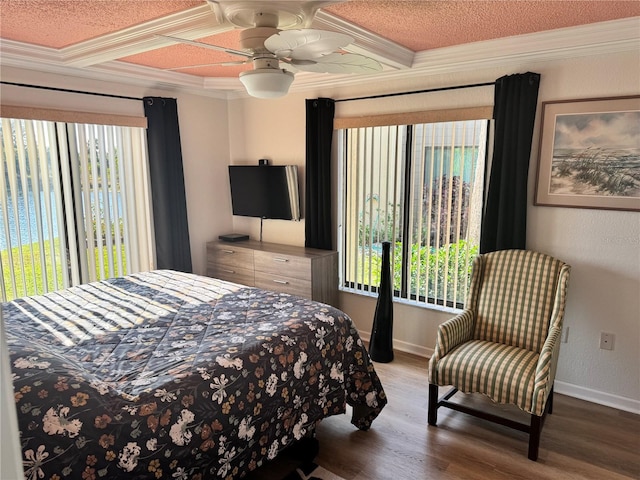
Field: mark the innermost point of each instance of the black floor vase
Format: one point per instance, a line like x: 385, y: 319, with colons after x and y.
x: 381, y: 343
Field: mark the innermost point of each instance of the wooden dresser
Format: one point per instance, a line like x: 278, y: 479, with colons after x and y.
x: 307, y: 272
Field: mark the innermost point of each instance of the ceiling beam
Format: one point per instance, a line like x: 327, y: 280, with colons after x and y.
x: 190, y: 24
x: 366, y: 42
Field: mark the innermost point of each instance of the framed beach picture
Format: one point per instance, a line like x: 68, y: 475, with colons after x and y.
x: 589, y: 155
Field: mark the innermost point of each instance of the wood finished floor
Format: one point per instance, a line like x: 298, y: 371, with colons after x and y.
x: 581, y: 440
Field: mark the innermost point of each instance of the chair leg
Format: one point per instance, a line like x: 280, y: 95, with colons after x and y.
x: 550, y: 401
x: 432, y: 418
x: 534, y: 437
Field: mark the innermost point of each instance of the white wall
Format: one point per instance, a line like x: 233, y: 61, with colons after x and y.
x: 203, y: 130
x: 204, y: 136
x: 258, y: 130
x: 602, y: 246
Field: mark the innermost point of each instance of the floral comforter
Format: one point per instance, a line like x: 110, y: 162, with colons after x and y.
x: 172, y: 375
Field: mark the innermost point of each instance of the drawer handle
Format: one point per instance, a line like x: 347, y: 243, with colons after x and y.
x: 228, y: 252
x: 227, y: 271
x: 280, y: 259
x: 283, y: 282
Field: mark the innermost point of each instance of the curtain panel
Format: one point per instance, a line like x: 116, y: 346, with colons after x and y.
x: 505, y: 216
x: 319, y: 135
x: 168, y: 197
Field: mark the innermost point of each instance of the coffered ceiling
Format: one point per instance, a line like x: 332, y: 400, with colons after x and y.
x: 126, y: 39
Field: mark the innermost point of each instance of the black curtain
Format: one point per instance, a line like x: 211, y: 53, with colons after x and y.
x: 504, y: 225
x: 320, y: 113
x: 173, y: 250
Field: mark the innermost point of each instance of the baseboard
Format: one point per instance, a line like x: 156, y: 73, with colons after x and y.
x: 406, y: 347
x: 563, y: 388
x: 595, y: 396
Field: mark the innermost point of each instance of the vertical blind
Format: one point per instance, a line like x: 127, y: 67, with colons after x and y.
x: 373, y: 195
x: 74, y: 204
x: 419, y: 187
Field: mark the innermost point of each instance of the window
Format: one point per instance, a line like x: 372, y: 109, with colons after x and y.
x: 419, y: 187
x: 74, y: 204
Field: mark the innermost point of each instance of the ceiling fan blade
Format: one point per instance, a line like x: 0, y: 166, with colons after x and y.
x: 208, y: 45
x: 306, y: 43
x: 339, y: 63
x: 218, y: 64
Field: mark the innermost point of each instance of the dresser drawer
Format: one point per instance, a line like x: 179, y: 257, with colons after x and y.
x: 231, y: 273
x: 283, y: 265
x: 230, y: 256
x: 284, y: 284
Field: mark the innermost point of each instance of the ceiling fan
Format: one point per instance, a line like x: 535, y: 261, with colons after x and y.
x: 272, y: 37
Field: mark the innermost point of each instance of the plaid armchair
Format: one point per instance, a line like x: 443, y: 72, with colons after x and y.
x: 505, y: 343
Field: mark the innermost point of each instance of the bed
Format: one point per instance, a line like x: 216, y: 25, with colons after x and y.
x: 165, y: 374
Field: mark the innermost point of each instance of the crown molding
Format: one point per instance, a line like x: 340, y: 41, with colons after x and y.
x: 12, y: 52
x: 565, y: 43
x: 518, y: 51
x: 167, y: 80
x: 126, y: 73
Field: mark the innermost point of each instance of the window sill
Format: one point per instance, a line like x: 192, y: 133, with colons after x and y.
x: 404, y: 301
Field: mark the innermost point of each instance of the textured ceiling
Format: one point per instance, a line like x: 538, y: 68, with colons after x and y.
x: 97, y: 32
x: 60, y: 23
x: 187, y: 56
x: 423, y: 25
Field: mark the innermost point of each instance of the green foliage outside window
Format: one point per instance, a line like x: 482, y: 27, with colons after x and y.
x: 445, y: 263
x: 436, y: 259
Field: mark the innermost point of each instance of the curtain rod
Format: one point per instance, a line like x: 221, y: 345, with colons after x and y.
x: 416, y: 91
x: 70, y: 91
x: 457, y: 87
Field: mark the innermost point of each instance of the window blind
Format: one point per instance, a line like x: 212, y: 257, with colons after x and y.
x: 74, y: 204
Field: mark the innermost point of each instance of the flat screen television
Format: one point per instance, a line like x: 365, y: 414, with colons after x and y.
x: 265, y: 191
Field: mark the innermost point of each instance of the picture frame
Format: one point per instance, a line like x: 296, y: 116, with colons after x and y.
x: 589, y: 154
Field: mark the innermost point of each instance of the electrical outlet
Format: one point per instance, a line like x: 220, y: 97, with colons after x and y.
x: 606, y: 340
x: 565, y: 334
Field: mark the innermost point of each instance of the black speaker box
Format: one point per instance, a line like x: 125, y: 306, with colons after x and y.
x: 233, y: 237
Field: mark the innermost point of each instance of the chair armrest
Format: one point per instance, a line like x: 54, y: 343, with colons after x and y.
x: 455, y: 331
x: 546, y: 370
x: 451, y: 333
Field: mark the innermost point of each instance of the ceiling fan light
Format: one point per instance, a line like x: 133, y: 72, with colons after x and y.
x: 266, y: 83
